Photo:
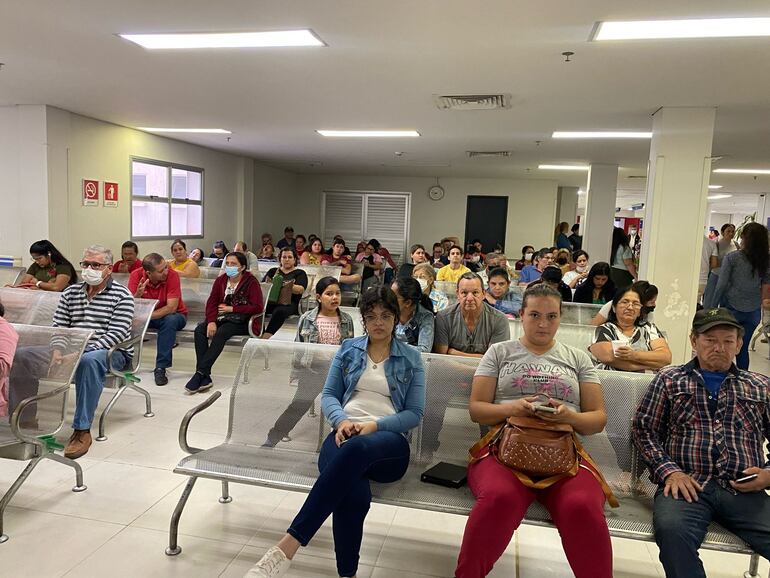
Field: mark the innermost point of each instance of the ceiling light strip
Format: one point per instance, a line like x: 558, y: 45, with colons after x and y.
x: 272, y: 39
x: 743, y: 171
x: 601, y: 134
x: 690, y: 28
x: 368, y: 133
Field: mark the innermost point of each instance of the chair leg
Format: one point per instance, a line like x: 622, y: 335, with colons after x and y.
x: 753, y: 571
x: 173, y: 531
x: 105, y: 412
x: 312, y: 412
x: 79, y: 485
x: 12, y: 491
x: 226, y: 497
x: 147, y: 399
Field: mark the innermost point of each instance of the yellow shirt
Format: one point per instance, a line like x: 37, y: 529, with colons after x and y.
x: 446, y: 273
x: 178, y: 266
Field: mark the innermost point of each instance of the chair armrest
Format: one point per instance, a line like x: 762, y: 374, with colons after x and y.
x: 122, y: 345
x: 186, y: 422
x: 16, y: 415
x: 261, y: 325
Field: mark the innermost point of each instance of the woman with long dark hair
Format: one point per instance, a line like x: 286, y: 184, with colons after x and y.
x: 743, y: 281
x: 285, y: 305
x: 623, y: 269
x: 598, y: 288
x: 373, y: 396
x: 415, y: 324
x: 50, y: 271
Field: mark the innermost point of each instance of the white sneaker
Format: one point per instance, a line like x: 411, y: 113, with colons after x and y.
x: 272, y: 565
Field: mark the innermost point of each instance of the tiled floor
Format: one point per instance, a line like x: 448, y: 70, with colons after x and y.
x: 119, y: 526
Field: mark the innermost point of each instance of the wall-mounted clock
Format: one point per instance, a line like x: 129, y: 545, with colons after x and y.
x: 436, y: 192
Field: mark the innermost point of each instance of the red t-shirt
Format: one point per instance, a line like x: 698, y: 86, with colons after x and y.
x: 169, y: 289
x: 345, y: 259
x: 137, y: 265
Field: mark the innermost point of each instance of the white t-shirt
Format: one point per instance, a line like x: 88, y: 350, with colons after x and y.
x: 371, y: 399
x: 521, y: 373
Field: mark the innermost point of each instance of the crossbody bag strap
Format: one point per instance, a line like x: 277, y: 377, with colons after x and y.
x: 485, y: 442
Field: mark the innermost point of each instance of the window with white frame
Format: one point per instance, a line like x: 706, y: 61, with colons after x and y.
x: 166, y: 200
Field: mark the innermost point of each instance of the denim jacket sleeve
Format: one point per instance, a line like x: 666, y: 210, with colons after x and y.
x: 425, y: 338
x: 414, y: 402
x: 333, y: 392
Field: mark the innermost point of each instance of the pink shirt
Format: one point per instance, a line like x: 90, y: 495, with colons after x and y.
x: 328, y: 330
x: 8, y: 340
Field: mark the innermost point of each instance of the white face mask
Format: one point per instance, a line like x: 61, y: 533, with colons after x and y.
x: 632, y: 232
x: 582, y: 269
x: 92, y: 276
x: 527, y: 256
x: 423, y: 284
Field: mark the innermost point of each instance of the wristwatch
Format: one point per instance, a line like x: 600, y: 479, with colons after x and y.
x: 38, y: 284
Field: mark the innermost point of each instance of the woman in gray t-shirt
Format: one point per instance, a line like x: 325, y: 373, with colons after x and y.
x: 505, y: 384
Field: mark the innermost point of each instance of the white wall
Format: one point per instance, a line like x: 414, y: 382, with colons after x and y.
x: 275, y: 202
x: 80, y: 147
x: 23, y: 178
x: 531, y: 205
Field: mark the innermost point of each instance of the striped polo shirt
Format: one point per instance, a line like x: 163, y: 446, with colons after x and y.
x: 109, y: 314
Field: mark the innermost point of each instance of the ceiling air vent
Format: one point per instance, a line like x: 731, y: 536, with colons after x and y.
x: 488, y: 154
x: 472, y: 101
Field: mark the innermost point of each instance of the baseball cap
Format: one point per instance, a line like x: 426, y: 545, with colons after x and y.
x: 706, y: 319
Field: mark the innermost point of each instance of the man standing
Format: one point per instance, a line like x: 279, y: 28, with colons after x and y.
x: 102, y: 306
x: 701, y: 429
x: 156, y: 280
x: 288, y: 239
x: 575, y: 239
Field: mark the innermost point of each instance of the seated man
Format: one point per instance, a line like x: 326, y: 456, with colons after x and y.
x: 455, y: 269
x: 439, y: 259
x: 340, y: 259
x: 129, y: 258
x: 542, y: 259
x: 701, y: 428
x: 102, y: 306
x: 288, y: 238
x: 156, y: 280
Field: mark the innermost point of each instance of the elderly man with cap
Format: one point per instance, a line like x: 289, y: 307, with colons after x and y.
x: 701, y: 428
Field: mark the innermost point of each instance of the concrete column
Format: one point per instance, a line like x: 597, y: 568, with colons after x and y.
x: 677, y: 190
x: 566, y: 205
x: 601, y: 193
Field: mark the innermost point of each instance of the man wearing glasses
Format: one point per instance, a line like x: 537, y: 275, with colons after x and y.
x: 102, y: 306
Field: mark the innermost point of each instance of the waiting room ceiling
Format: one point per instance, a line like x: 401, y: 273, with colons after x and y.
x: 383, y: 64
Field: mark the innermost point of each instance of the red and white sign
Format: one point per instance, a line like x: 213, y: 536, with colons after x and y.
x: 90, y: 193
x: 110, y: 194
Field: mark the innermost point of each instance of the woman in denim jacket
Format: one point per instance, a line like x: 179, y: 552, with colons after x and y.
x: 326, y: 325
x: 416, y: 322
x: 374, y: 394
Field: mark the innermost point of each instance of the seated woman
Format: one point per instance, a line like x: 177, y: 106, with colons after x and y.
x: 8, y: 340
x: 438, y: 260
x: 499, y: 294
x: 374, y: 394
x: 626, y: 341
x: 314, y: 256
x: 552, y: 276
x: 197, y: 255
x: 576, y: 504
x: 267, y: 253
x: 235, y: 297
x: 415, y: 320
x: 455, y: 269
x: 426, y: 277
x: 298, y: 280
x: 563, y: 259
x: 181, y: 262
x: 417, y: 253
x: 218, y: 251
x: 50, y: 270
x: 649, y: 295
x: 527, y: 251
x: 373, y: 264
x: 327, y: 325
x: 597, y: 288
x: 580, y: 272
x: 300, y: 244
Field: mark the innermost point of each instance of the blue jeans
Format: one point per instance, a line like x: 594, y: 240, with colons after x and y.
x: 342, y: 489
x: 680, y: 526
x: 167, y: 327
x: 89, y: 383
x: 749, y: 320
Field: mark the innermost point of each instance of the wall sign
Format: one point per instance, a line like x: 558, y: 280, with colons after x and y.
x: 90, y: 193
x: 110, y: 194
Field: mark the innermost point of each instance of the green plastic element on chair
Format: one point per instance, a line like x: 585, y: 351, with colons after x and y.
x: 131, y: 378
x: 50, y: 443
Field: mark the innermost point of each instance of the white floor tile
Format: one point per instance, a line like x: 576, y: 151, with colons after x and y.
x: 44, y: 545
x: 303, y: 566
x: 46, y: 477
x: 138, y: 552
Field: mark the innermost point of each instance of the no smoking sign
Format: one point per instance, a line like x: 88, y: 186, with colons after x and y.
x: 90, y: 193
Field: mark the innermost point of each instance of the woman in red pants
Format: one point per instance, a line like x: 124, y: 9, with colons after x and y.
x: 507, y: 380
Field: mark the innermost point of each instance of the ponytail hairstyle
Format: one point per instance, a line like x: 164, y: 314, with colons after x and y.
x: 409, y: 289
x: 45, y: 247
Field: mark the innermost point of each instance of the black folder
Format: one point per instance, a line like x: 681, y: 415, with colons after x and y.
x: 445, y: 474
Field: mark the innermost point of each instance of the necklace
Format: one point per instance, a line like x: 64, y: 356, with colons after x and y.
x: 380, y: 358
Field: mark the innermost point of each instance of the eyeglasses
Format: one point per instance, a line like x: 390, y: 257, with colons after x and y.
x: 630, y: 304
x: 372, y: 319
x: 93, y: 265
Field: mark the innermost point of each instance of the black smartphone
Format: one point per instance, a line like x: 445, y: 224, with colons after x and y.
x: 749, y: 478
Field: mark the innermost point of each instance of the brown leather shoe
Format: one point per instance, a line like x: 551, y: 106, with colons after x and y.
x: 78, y: 444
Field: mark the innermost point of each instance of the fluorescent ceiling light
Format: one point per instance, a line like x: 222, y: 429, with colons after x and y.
x: 715, y: 186
x: 369, y: 133
x: 600, y: 134
x: 563, y: 167
x: 717, y: 197
x: 744, y: 171
x: 226, y: 39
x: 581, y: 192
x: 691, y: 28
x: 198, y: 130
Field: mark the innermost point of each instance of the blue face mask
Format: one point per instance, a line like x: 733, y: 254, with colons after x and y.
x: 231, y: 271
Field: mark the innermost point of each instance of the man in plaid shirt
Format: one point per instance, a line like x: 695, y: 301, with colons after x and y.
x: 701, y: 428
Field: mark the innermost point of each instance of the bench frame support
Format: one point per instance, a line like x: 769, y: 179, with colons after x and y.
x: 128, y: 383
x: 173, y: 546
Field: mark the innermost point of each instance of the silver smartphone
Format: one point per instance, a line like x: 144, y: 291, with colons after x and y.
x: 545, y: 408
x: 749, y: 478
